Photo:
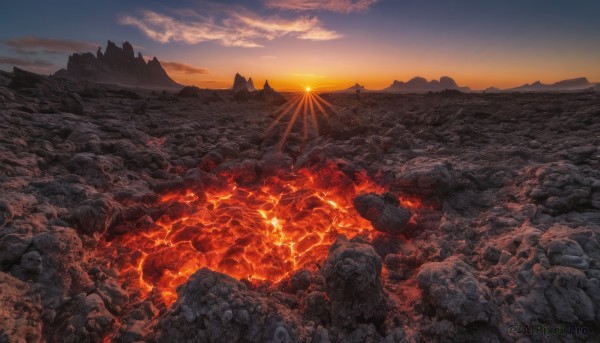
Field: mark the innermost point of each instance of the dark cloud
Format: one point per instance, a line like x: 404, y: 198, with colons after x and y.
x: 183, y: 68
x: 21, y: 62
x: 340, y: 6
x: 31, y: 44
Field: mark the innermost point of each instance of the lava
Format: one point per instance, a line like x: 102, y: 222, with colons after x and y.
x: 261, y: 233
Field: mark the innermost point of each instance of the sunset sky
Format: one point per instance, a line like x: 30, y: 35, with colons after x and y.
x: 328, y: 44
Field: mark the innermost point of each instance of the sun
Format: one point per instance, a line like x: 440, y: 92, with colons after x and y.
x: 307, y: 89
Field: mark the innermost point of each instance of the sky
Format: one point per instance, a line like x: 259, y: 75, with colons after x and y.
x: 327, y: 44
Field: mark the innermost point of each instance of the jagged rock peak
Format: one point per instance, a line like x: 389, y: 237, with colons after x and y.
x: 117, y: 66
x: 267, y: 86
x: 250, y: 85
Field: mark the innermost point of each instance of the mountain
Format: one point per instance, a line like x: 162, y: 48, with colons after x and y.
x: 117, y: 66
x: 250, y: 85
x: 355, y: 89
x: 419, y: 85
x: 269, y: 95
x: 579, y: 83
x: 240, y: 84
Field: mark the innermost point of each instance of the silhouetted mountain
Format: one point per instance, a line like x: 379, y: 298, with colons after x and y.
x: 269, y: 95
x: 250, y: 85
x: 419, y: 84
x: 579, y: 83
x: 355, y: 88
x: 240, y: 84
x: 117, y: 66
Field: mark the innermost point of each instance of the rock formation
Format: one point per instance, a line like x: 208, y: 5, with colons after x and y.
x: 241, y: 85
x: 250, y: 85
x: 117, y: 66
x: 357, y: 88
x: 419, y: 85
x: 269, y: 95
x: 579, y: 83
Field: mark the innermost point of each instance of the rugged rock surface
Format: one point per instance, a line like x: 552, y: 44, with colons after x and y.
x: 117, y: 66
x: 503, y: 189
x: 353, y: 283
x: 384, y: 212
x: 213, y: 307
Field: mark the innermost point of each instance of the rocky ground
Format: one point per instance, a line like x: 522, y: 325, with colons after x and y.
x: 507, y: 237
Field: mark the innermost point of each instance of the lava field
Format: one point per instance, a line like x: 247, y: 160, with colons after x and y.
x: 134, y: 215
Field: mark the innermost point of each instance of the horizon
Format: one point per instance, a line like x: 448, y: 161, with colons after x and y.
x: 328, y: 45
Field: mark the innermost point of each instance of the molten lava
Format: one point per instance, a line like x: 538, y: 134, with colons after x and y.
x: 261, y: 232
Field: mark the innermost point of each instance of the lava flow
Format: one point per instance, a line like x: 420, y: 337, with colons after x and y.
x: 261, y: 233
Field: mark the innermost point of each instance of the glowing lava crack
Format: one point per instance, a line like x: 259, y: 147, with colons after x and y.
x: 261, y: 233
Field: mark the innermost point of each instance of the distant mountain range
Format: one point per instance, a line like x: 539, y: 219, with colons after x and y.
x: 579, y: 83
x: 421, y: 85
x: 118, y: 66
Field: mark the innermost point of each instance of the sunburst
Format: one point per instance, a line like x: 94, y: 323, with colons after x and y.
x: 307, y: 106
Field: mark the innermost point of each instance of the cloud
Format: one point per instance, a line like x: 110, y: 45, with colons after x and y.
x: 31, y: 44
x: 15, y: 61
x: 340, y: 6
x: 229, y: 27
x: 182, y: 68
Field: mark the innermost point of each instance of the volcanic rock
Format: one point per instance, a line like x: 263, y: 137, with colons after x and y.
x: 96, y: 215
x: 352, y: 281
x: 86, y: 319
x: 425, y: 177
x: 20, y: 311
x: 13, y: 245
x: 26, y: 79
x: 213, y: 307
x: 453, y: 290
x: 117, y: 66
x: 384, y: 212
x: 189, y: 92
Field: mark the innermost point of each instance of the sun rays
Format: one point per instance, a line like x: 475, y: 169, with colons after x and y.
x: 303, y: 110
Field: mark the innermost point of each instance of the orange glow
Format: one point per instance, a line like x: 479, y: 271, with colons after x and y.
x: 262, y: 232
x: 307, y: 103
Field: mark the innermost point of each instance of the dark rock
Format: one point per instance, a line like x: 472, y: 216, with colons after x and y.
x: 189, y: 92
x: 301, y: 280
x: 270, y: 96
x: 72, y: 103
x: 20, y: 311
x: 86, y: 319
x: 117, y: 66
x: 353, y: 283
x: 26, y: 79
x: 453, y: 290
x: 6, y: 212
x: 12, y: 246
x: 383, y: 211
x: 96, y: 215
x: 213, y: 307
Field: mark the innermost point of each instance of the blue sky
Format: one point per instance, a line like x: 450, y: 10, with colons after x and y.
x: 330, y: 44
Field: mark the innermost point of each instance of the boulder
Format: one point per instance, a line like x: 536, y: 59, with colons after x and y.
x: 383, y: 211
x: 352, y: 276
x: 214, y: 307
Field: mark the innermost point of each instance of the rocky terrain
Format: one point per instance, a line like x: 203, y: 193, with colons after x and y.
x: 503, y: 233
